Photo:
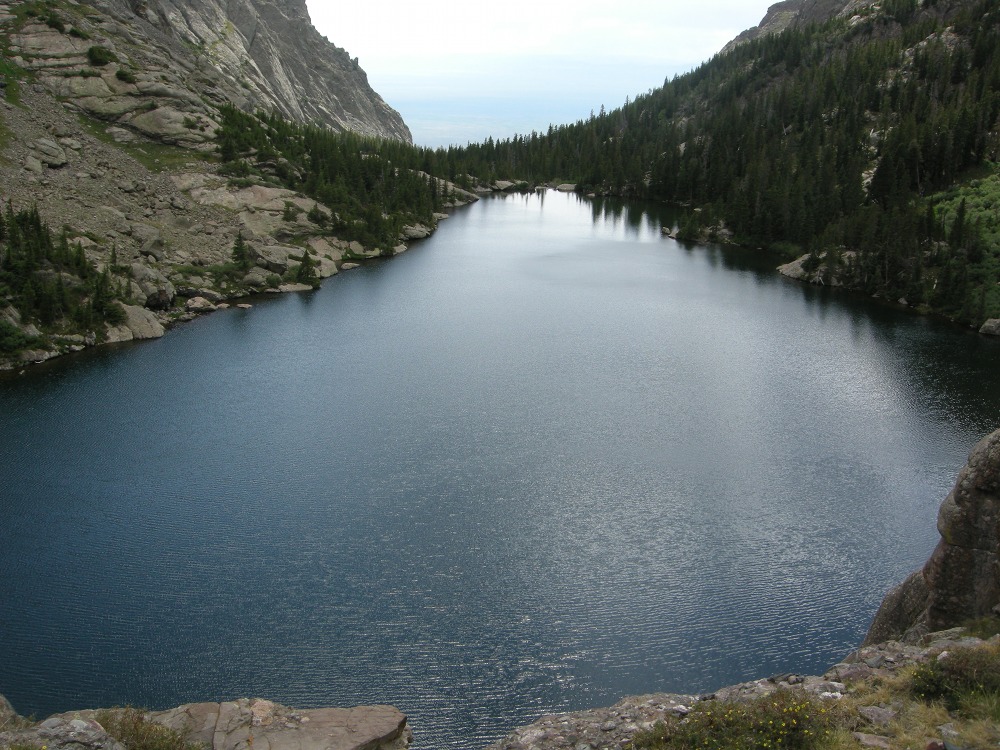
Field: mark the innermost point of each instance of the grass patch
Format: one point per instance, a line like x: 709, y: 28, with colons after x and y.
x: 963, y: 678
x: 785, y: 719
x: 156, y: 157
x: 12, y: 76
x: 131, y: 727
x: 123, y: 74
x: 984, y: 627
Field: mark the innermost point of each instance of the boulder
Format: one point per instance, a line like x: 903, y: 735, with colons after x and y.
x: 158, y: 290
x: 232, y: 725
x: 167, y: 124
x: 227, y: 726
x: 272, y: 257
x: 64, y: 732
x: 991, y: 327
x: 142, y: 323
x: 48, y: 152
x: 198, y: 305
x: 415, y: 232
x: 7, y: 712
x: 256, y: 278
x: 961, y: 580
x: 141, y: 232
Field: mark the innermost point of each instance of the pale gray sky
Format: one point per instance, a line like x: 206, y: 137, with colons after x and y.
x: 460, y: 72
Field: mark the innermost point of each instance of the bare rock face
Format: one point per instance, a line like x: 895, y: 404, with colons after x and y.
x: 793, y: 13
x: 961, y: 580
x: 265, y: 54
x: 228, y: 725
x: 168, y: 65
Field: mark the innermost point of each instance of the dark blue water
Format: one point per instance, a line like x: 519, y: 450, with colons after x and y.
x: 545, y: 459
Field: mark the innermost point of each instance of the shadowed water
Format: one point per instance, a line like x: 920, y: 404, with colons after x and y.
x: 546, y: 458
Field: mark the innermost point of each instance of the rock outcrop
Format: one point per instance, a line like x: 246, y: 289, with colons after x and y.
x: 794, y: 13
x: 616, y: 726
x: 817, y: 270
x: 162, y: 68
x: 961, y: 580
x: 231, y: 725
x: 134, y: 181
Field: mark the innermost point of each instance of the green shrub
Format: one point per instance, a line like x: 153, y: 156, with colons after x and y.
x: 984, y: 627
x: 78, y: 33
x: 784, y: 719
x: 53, y: 21
x: 291, y: 211
x: 13, y: 338
x: 131, y: 727
x: 98, y: 56
x: 961, y: 675
x: 123, y: 74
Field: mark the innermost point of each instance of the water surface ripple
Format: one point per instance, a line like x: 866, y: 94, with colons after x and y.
x: 546, y: 458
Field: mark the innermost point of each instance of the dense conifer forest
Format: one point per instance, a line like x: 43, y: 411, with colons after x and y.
x: 369, y: 184
x: 869, y: 142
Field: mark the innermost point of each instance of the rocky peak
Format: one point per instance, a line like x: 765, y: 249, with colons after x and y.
x: 197, y: 54
x: 792, y: 13
x: 961, y: 580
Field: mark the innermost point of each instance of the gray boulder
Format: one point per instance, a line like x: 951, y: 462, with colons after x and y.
x: 142, y: 323
x: 159, y: 292
x: 991, y: 327
x: 961, y: 580
x: 49, y: 152
x: 226, y: 726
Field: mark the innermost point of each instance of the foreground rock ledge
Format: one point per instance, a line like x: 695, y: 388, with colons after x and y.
x: 229, y: 726
x: 961, y: 580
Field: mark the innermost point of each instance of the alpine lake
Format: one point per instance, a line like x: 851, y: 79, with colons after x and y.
x: 545, y: 459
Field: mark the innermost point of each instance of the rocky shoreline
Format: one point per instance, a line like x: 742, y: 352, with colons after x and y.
x: 798, y: 270
x: 246, y: 724
x: 167, y: 216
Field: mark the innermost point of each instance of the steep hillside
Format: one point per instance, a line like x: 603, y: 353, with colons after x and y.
x: 166, y: 63
x: 851, y: 139
x: 120, y: 218
x: 797, y: 14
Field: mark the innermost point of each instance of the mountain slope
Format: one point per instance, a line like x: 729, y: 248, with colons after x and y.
x: 119, y: 218
x: 847, y: 139
x: 170, y: 59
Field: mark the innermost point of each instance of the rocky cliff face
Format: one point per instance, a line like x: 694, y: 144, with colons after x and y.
x: 791, y: 13
x: 961, y: 580
x: 173, y: 61
x: 108, y: 118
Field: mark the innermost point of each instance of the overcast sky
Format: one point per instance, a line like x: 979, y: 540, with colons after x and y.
x: 460, y: 72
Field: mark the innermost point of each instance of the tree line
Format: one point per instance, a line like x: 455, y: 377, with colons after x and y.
x: 50, y: 282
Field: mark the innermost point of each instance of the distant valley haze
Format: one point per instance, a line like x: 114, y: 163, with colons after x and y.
x: 463, y: 73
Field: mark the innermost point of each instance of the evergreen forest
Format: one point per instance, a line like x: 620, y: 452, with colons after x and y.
x: 869, y: 142
x: 50, y: 283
